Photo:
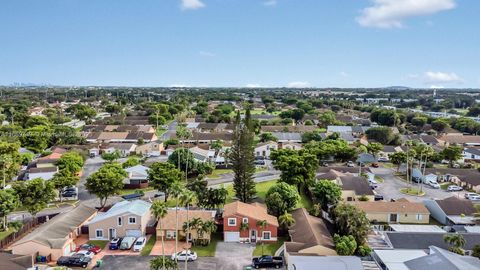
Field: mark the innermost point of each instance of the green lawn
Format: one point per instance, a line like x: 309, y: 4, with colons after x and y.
x: 101, y: 243
x: 304, y: 202
x: 148, y: 246
x: 208, y: 251
x: 444, y: 186
x: 218, y: 172
x: 412, y: 191
x: 131, y: 191
x: 379, y: 179
x: 4, y: 234
x: 268, y: 249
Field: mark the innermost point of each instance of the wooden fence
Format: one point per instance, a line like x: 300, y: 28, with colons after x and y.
x: 26, y: 228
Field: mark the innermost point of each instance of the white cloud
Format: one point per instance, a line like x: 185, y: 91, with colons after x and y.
x: 437, y: 86
x: 191, y: 4
x: 441, y: 77
x: 391, y: 13
x: 270, y: 3
x: 298, y: 84
x: 344, y: 74
x: 207, y: 54
x: 253, y: 85
x: 180, y: 85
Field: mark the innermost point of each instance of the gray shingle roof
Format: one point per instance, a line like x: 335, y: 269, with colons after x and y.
x: 287, y: 136
x: 441, y: 259
x: 422, y: 240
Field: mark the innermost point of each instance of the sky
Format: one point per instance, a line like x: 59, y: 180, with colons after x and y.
x: 241, y: 43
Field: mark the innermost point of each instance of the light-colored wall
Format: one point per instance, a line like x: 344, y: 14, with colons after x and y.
x: 44, y: 176
x: 435, y: 211
x: 409, y: 218
x: 350, y: 193
x: 106, y: 224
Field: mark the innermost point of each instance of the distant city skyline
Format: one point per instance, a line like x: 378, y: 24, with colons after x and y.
x: 238, y: 43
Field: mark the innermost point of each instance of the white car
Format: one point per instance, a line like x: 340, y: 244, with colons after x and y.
x: 454, y: 188
x: 185, y: 255
x: 139, y: 244
x: 475, y: 198
x: 85, y: 253
x: 468, y: 194
x: 434, y: 184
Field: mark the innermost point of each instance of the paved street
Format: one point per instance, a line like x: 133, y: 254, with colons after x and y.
x: 390, y: 189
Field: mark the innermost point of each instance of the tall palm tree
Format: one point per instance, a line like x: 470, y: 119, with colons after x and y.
x: 209, y: 227
x: 159, y: 211
x: 455, y: 239
x: 262, y: 224
x: 286, y: 220
x: 176, y: 191
x: 187, y: 197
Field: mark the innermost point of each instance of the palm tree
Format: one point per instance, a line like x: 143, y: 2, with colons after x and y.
x: 286, y: 220
x: 163, y: 264
x: 159, y: 211
x: 262, y: 224
x: 187, y: 197
x: 176, y: 191
x: 209, y: 227
x: 456, y: 241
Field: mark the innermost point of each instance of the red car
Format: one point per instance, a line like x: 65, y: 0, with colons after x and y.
x: 89, y: 247
x: 374, y: 165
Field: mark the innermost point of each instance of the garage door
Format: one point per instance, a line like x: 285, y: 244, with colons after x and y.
x: 133, y: 233
x: 231, y: 236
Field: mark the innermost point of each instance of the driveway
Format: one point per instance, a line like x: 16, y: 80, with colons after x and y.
x: 233, y: 255
x: 390, y: 188
x: 169, y: 247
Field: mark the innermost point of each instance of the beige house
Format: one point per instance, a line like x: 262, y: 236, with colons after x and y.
x: 55, y: 238
x: 126, y: 218
x: 169, y: 228
x: 395, y: 212
x: 150, y: 149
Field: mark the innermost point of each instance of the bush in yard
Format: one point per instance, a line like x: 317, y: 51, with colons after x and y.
x: 345, y: 245
x: 364, y: 250
x: 281, y: 198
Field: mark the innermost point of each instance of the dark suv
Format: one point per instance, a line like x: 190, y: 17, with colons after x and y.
x: 78, y: 261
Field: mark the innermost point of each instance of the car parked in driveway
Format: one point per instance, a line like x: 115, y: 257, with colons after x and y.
x: 474, y: 198
x: 114, y: 243
x: 454, y: 188
x: 139, y: 244
x: 267, y: 261
x: 186, y: 255
x: 350, y: 164
x: 89, y: 247
x: 127, y: 243
x: 85, y: 253
x: 468, y: 194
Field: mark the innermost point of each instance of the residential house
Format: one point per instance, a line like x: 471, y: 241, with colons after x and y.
x: 309, y: 236
x: 452, y: 211
x: 169, y: 228
x: 394, y: 212
x: 325, y: 262
x: 291, y: 146
x: 45, y: 173
x: 137, y: 177
x: 423, y: 138
x: 471, y: 154
x: 55, y: 238
x: 389, y: 150
x: 151, y: 149
x: 467, y: 178
x: 237, y: 213
x: 125, y: 149
x: 15, y: 262
x: 289, y: 128
x: 264, y: 149
x: 339, y: 129
x: 203, y: 155
x: 354, y: 187
x: 125, y: 218
x: 284, y: 137
x: 459, y: 139
x: 442, y: 259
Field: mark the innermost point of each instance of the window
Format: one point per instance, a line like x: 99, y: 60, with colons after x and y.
x: 419, y: 217
x: 99, y: 233
x: 244, y: 220
x: 267, y: 235
x: 232, y: 222
x: 132, y: 220
x: 119, y: 221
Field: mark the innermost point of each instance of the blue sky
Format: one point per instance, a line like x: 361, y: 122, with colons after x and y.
x: 317, y: 43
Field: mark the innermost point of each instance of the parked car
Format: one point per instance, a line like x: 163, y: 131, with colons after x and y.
x: 186, y: 255
x: 259, y: 162
x: 69, y: 193
x: 383, y: 159
x: 374, y: 165
x: 350, y: 164
x: 82, y: 261
x: 115, y: 243
x: 89, y: 247
x: 324, y: 164
x: 127, y: 243
x: 133, y: 196
x: 139, y: 244
x: 454, y: 188
x: 434, y: 184
x: 267, y: 261
x: 85, y: 253
x: 259, y: 158
x: 378, y: 197
x: 474, y: 198
x: 468, y: 194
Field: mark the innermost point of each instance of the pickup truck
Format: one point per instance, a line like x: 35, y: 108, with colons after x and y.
x: 78, y: 261
x: 267, y: 261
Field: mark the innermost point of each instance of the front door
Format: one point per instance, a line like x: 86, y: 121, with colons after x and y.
x: 112, y: 233
x: 393, y: 218
x: 253, y: 236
